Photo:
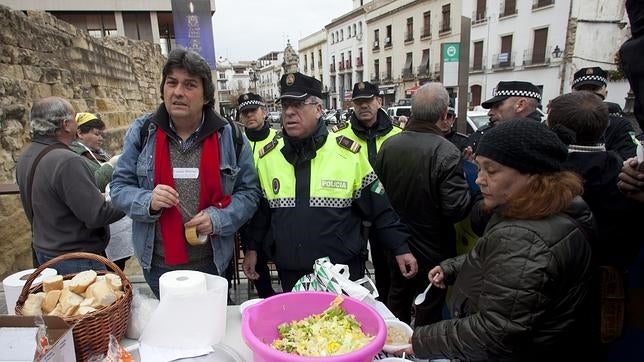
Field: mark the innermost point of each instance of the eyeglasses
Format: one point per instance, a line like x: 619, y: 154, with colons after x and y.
x: 295, y: 104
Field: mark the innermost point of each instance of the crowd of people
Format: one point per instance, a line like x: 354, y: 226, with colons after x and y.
x: 551, y: 202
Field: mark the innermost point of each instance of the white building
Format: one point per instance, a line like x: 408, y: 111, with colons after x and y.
x: 537, y: 41
x: 347, y: 44
x: 233, y: 79
x: 268, y: 73
x: 313, y: 51
x: 405, y: 39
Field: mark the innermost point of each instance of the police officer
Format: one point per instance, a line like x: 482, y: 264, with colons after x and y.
x: 370, y: 126
x: 252, y: 114
x: 511, y: 100
x: 619, y: 135
x: 446, y: 126
x: 318, y: 188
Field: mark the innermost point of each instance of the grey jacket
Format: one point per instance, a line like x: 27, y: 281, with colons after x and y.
x: 520, y: 295
x: 70, y: 213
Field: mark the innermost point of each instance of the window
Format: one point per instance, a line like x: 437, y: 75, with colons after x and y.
x: 341, y: 35
x: 332, y: 65
x: 305, y: 63
x: 423, y: 68
x: 407, y: 71
x: 360, y: 27
x: 332, y: 81
x: 388, y: 74
x: 539, y: 46
x: 480, y: 10
x: 427, y: 16
x: 476, y: 95
x: 477, y: 63
x: 505, y: 57
x: 509, y: 7
x: 359, y: 59
x: 376, y: 39
x: 320, y: 58
x: 376, y: 69
x: 332, y: 38
x: 541, y: 3
x: 446, y: 25
x: 312, y: 61
x: 349, y: 60
x: 354, y: 30
x: 409, y: 35
x: 388, y: 38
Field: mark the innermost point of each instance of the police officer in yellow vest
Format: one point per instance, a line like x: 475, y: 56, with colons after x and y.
x: 317, y: 190
x: 370, y: 126
x: 252, y: 114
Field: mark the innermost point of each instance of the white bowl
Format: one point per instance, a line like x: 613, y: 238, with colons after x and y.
x: 401, y: 327
x: 248, y: 303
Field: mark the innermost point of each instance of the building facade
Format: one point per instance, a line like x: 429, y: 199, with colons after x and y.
x: 313, y: 58
x: 268, y: 73
x: 404, y: 42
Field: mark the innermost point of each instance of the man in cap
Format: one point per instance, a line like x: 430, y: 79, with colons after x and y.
x: 65, y: 208
x: 317, y: 191
x: 252, y: 114
x: 424, y: 179
x: 446, y: 126
x: 514, y: 99
x: 370, y: 126
x: 183, y: 167
x: 619, y: 135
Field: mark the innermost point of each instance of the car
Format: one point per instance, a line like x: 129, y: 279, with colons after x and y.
x: 275, y: 118
x: 396, y: 111
x: 476, y: 119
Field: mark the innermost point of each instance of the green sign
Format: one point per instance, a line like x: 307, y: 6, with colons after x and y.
x: 450, y: 52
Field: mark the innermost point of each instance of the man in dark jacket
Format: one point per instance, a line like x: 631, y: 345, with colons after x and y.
x: 446, y: 126
x: 619, y: 135
x: 66, y: 210
x: 423, y: 177
x: 370, y: 126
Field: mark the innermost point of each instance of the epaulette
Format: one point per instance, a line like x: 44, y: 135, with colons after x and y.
x: 339, y: 127
x: 348, y: 143
x: 461, y: 134
x: 268, y: 147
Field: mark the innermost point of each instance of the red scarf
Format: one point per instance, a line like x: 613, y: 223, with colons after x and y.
x: 210, y: 193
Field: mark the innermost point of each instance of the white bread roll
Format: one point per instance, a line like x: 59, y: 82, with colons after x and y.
x: 87, y: 302
x: 54, y: 282
x: 33, y: 304
x: 82, y: 310
x: 114, y: 281
x: 102, y: 293
x: 51, y: 300
x: 69, y: 302
x: 58, y: 311
x: 82, y: 280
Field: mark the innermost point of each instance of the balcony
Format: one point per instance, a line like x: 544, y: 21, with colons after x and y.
x: 444, y: 27
x: 407, y: 74
x: 388, y: 42
x: 477, y: 65
x: 348, y: 64
x: 437, y: 72
x: 320, y: 64
x: 386, y: 77
x: 423, y: 72
x: 503, y: 61
x: 341, y: 65
x: 409, y: 37
x: 359, y: 62
x: 375, y: 77
x: 505, y: 11
x: 538, y: 58
x: 376, y: 45
x: 426, y: 33
x: 538, y: 4
x: 479, y: 17
x: 332, y: 68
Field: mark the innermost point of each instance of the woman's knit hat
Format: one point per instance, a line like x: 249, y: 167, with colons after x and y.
x: 525, y: 145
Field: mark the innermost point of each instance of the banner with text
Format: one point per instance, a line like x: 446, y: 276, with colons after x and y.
x: 193, y: 27
x: 450, y: 52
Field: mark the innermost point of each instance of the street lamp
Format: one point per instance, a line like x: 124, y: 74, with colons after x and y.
x: 556, y: 54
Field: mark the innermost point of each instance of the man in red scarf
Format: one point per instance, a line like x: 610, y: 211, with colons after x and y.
x: 180, y: 170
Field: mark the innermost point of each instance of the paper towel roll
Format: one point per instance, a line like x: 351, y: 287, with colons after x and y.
x: 13, y: 284
x: 182, y: 283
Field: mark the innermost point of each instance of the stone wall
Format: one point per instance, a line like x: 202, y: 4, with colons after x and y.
x: 41, y: 56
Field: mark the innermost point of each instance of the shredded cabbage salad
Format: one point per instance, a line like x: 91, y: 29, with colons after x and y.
x: 329, y: 333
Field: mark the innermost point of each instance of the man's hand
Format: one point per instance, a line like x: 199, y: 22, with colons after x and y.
x: 202, y: 222
x: 631, y: 181
x: 468, y: 153
x: 163, y: 197
x: 250, y: 260
x: 407, y: 264
x: 436, y: 276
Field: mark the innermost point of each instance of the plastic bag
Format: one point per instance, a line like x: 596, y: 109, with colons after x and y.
x: 141, y: 310
x: 334, y: 278
x: 42, y: 341
x: 115, y: 353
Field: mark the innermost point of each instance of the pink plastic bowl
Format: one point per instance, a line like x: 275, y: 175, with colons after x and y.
x: 260, y: 321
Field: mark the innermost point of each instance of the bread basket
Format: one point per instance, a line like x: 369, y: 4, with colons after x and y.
x: 92, y: 330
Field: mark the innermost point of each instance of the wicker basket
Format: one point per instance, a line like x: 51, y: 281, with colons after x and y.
x: 92, y: 330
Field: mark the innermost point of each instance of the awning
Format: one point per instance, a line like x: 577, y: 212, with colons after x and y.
x: 425, y: 61
x: 408, y: 61
x: 412, y: 90
x: 387, y: 89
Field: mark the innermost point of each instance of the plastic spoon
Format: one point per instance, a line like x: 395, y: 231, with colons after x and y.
x: 421, y: 297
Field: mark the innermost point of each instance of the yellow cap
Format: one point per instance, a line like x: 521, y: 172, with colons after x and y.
x: 85, y: 117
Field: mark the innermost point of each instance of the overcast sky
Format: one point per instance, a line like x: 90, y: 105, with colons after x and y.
x: 248, y: 29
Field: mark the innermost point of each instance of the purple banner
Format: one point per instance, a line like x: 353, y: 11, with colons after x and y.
x: 193, y: 27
